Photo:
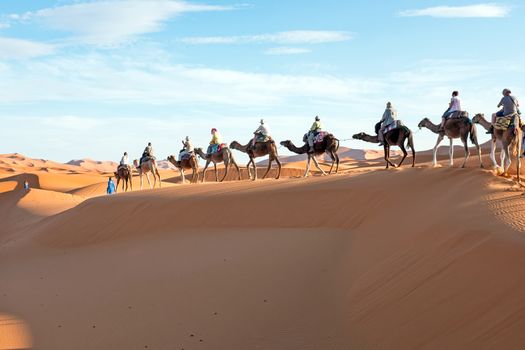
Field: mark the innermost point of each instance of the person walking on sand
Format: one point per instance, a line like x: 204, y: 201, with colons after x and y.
x: 111, y: 186
x: 453, y: 106
x: 26, y: 184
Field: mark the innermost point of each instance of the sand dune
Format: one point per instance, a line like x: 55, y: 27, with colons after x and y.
x: 367, y: 259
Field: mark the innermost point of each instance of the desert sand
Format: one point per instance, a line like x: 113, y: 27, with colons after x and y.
x: 409, y: 258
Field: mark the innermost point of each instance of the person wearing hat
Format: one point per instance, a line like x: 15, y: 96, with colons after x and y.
x: 315, y: 129
x: 453, y: 106
x: 510, y: 106
x: 262, y: 132
x: 389, y: 117
x: 215, y: 141
x: 187, y: 148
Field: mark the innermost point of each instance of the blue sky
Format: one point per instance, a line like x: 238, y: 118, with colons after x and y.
x: 96, y: 78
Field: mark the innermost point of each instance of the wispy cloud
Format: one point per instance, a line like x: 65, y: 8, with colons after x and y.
x: 289, y: 37
x: 114, y: 21
x: 18, y: 48
x: 487, y: 10
x: 278, y: 51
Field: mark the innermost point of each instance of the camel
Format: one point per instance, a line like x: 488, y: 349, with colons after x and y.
x: 454, y: 128
x: 146, y: 167
x: 260, y: 150
x: 223, y: 156
x: 510, y: 140
x: 395, y: 137
x: 186, y: 164
x: 124, y: 173
x: 329, y: 145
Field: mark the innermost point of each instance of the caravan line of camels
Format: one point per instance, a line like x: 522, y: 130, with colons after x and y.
x: 461, y: 127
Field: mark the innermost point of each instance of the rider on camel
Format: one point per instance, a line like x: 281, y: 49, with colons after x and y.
x: 215, y: 142
x: 262, y: 133
x: 187, y: 148
x: 389, y: 117
x: 315, y: 129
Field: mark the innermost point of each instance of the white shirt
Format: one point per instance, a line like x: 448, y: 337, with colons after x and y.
x: 263, y: 130
x: 124, y: 160
x: 455, y: 104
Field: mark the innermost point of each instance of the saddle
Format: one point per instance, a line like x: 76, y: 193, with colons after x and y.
x: 186, y: 156
x: 458, y: 115
x: 507, y: 121
x: 318, y: 137
x: 217, y: 148
x: 395, y: 125
x: 123, y: 166
x: 262, y: 138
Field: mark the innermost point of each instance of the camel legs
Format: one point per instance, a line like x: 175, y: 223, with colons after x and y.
x: 147, y: 178
x: 434, y: 153
x: 317, y: 165
x: 204, y: 171
x: 451, y: 152
x: 141, y: 180
x: 254, y: 169
x: 236, y: 167
x: 226, y: 168
x: 467, y: 153
x: 307, y: 171
x: 216, y: 175
x: 492, y: 155
x: 403, y: 149
x: 195, y: 175
x: 386, y: 149
x: 506, y: 149
x: 268, y: 168
x: 279, y: 166
x: 156, y: 172
x: 182, y: 175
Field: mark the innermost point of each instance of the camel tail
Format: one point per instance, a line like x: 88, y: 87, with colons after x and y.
x: 410, y: 143
x: 473, y: 134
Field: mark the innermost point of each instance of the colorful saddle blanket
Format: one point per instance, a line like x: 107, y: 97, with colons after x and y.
x: 186, y: 156
x: 505, y: 122
x: 396, y: 124
x: 216, y: 148
x: 320, y: 136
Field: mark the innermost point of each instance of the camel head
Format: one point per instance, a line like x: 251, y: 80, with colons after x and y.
x: 478, y: 117
x: 116, y: 174
x: 171, y: 159
x: 423, y: 122
x: 234, y: 144
x: 136, y: 163
x: 198, y: 151
x: 359, y: 136
x: 286, y: 143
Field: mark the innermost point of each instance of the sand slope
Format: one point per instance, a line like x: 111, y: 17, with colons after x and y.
x: 401, y: 259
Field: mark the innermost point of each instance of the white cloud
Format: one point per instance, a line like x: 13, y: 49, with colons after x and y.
x: 470, y: 11
x: 98, y: 78
x: 289, y: 37
x: 277, y: 51
x: 18, y: 48
x: 114, y: 21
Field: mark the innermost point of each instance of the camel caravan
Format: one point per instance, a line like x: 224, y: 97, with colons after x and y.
x: 505, y: 127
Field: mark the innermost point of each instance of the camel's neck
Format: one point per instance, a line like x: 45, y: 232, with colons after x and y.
x: 201, y: 153
x: 293, y: 148
x: 432, y: 127
x: 242, y: 148
x: 484, y: 123
x: 370, y: 138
